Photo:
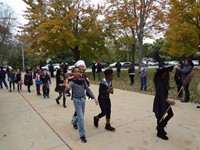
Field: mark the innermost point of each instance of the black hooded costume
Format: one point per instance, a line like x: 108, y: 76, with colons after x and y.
x: 160, y: 105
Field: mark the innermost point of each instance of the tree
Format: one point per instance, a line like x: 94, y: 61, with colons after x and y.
x: 183, y: 31
x: 7, y: 23
x: 136, y: 19
x: 61, y: 25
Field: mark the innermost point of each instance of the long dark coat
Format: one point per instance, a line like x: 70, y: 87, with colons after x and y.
x: 160, y: 104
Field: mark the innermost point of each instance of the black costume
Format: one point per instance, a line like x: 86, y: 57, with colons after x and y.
x: 28, y: 80
x: 179, y: 84
x: 104, y: 99
x: 46, y: 80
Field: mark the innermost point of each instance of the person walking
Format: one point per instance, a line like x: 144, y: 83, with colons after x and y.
x: 131, y: 72
x: 93, y: 70
x: 99, y: 70
x: 118, y: 67
x: 178, y: 80
x: 28, y: 79
x: 143, y: 77
x: 51, y: 70
x: 3, y: 78
x: 11, y: 79
x: 105, y: 89
x: 46, y: 80
x: 19, y: 80
x: 78, y: 87
x: 187, y: 68
x: 161, y: 100
x: 38, y: 81
x: 60, y: 86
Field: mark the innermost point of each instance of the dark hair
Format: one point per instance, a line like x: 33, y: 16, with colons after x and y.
x: 1, y: 67
x: 75, y: 68
x: 108, y: 72
x: 190, y: 62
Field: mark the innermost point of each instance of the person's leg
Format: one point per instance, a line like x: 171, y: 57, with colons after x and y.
x: 80, y: 108
x: 18, y: 88
x: 179, y: 85
x: 64, y: 99
x: 99, y: 76
x: 187, y: 93
x: 4, y: 81
x: 100, y: 115
x: 47, y: 90
x: 29, y: 86
x: 13, y: 85
x: 1, y: 85
x: 141, y: 83
x: 43, y: 91
x: 10, y: 83
x: 59, y: 97
x: 93, y: 75
x: 145, y: 83
x: 108, y: 114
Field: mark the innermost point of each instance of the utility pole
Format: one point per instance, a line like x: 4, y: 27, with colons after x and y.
x: 23, y: 57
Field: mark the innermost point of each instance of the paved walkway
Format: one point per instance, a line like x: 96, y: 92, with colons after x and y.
x: 29, y: 122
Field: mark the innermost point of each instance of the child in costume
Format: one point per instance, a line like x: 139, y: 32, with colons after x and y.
x: 105, y: 89
x: 46, y: 80
x: 161, y: 100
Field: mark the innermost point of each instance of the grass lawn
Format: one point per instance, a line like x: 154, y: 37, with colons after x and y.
x: 124, y: 83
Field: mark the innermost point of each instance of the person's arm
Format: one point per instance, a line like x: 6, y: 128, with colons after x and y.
x: 185, y: 69
x: 91, y: 93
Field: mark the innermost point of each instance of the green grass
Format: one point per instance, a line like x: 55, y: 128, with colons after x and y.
x: 123, y: 83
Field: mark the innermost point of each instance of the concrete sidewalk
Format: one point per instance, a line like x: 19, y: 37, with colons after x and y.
x: 29, y: 122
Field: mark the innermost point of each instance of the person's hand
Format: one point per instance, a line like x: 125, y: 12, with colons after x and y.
x: 111, y: 90
x: 170, y: 102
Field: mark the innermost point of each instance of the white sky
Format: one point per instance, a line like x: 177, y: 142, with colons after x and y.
x: 19, y: 6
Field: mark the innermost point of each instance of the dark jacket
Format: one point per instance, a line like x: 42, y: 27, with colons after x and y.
x: 118, y: 66
x: 93, y: 67
x: 11, y: 76
x: 177, y: 77
x: 28, y: 80
x: 103, y: 87
x: 45, y: 78
x: 99, y: 68
x: 160, y: 104
x: 185, y: 71
x: 2, y: 74
x: 19, y: 77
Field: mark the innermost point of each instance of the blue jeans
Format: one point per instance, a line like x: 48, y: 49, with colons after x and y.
x: 80, y: 109
x: 1, y: 83
x: 143, y: 83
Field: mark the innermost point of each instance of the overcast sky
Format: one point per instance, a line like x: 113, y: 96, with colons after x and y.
x: 19, y: 6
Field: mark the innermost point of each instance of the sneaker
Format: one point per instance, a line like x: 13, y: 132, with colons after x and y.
x: 96, y: 121
x: 162, y: 136
x: 75, y: 126
x: 10, y: 90
x: 109, y: 128
x: 57, y: 101
x: 83, y: 139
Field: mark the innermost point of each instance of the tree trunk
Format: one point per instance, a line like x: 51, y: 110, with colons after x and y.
x: 76, y: 52
x: 133, y: 54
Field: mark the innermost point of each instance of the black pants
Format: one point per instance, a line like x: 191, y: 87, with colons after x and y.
x: 19, y: 87
x: 28, y: 87
x: 45, y: 89
x: 93, y: 72
x: 132, y: 78
x: 163, y: 123
x: 105, y: 105
x: 187, y: 92
x: 179, y: 84
x: 12, y: 83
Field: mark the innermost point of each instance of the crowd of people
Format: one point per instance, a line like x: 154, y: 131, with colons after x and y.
x: 79, y: 84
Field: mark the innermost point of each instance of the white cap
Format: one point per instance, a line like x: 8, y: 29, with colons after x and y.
x: 80, y: 62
